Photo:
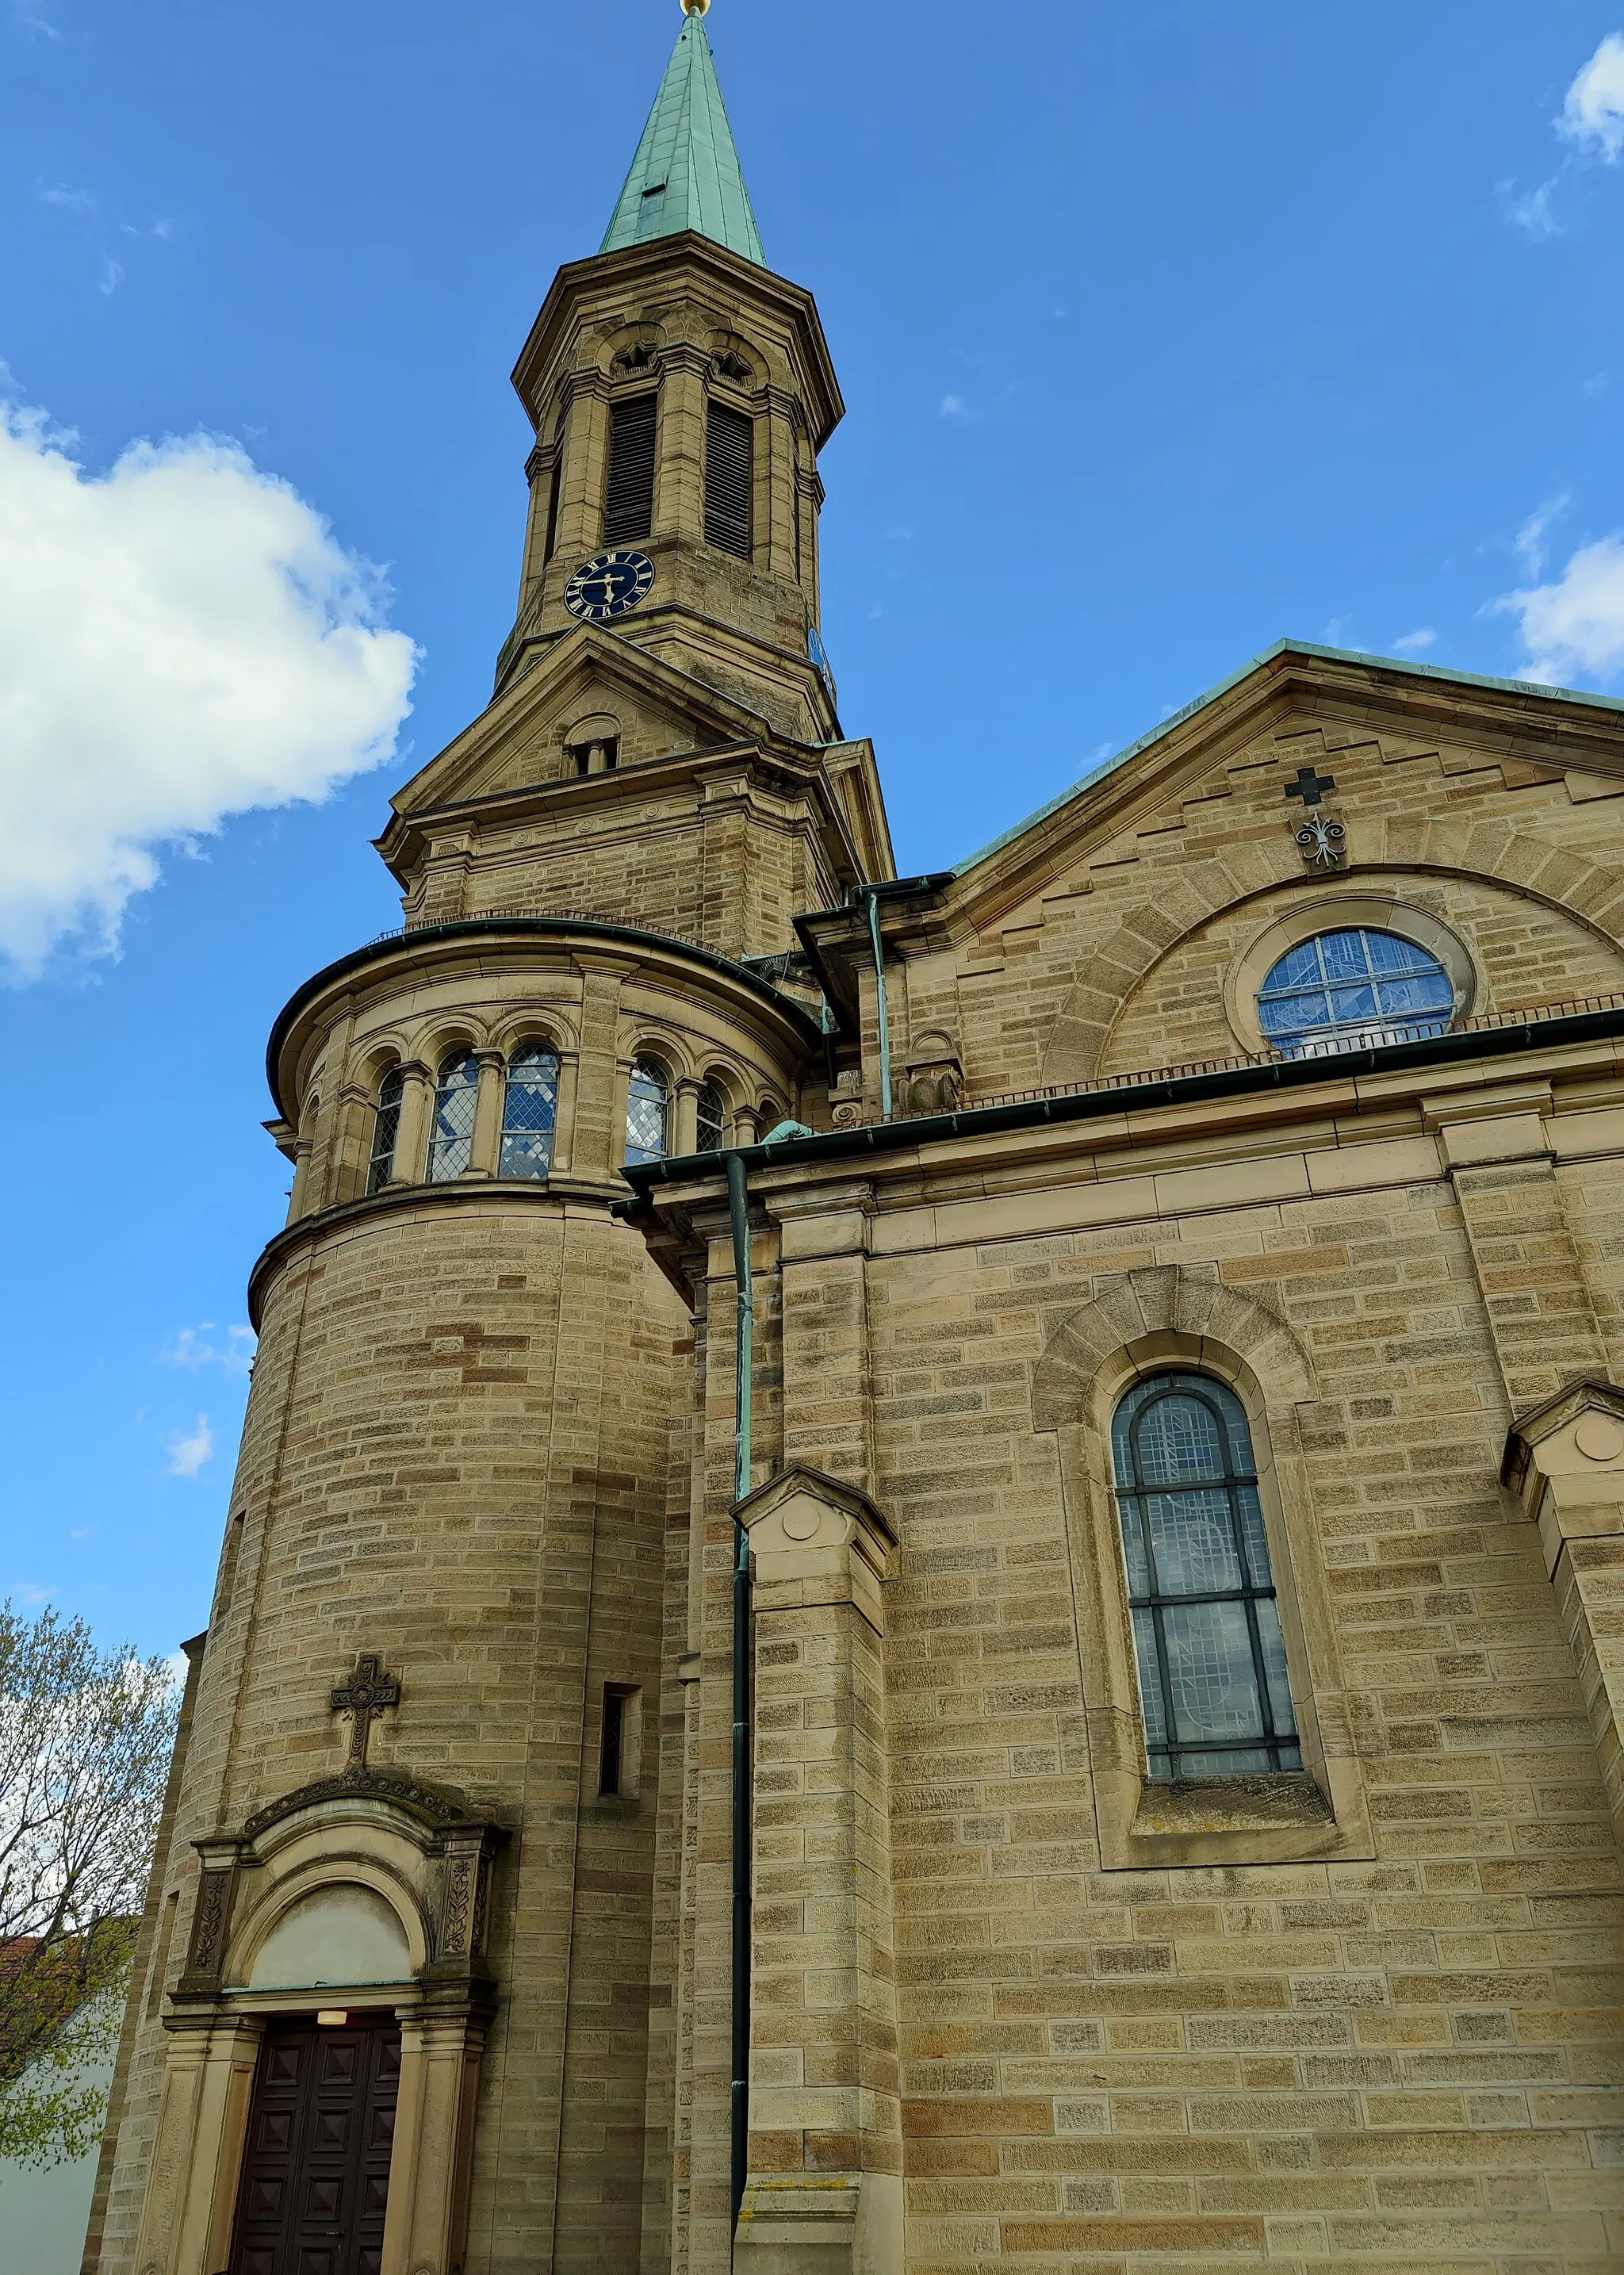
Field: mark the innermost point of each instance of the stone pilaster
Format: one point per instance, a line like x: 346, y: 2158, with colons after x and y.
x: 825, y: 2189
x: 586, y: 456
x: 823, y: 1243
x: 1496, y: 1149
x: 203, y: 2117
x: 1565, y: 1465
x: 679, y: 475
x: 416, y: 1112
x: 487, y: 1107
x: 427, y: 2221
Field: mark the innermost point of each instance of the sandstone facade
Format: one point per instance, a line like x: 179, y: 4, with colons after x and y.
x: 1014, y: 2001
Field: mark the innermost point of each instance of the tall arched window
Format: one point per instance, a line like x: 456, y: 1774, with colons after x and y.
x: 648, y: 1113
x: 452, y: 1148
x: 385, y: 1132
x: 1213, y: 1675
x: 532, y: 1113
x: 712, y: 1133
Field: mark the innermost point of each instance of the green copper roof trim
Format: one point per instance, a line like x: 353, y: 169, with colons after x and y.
x: 1281, y: 648
x: 686, y: 174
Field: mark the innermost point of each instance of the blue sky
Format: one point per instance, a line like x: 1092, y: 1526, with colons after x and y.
x: 1167, y: 331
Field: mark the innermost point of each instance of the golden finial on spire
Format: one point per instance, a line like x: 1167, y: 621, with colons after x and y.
x: 696, y: 7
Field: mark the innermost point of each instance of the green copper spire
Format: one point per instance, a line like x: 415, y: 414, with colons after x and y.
x: 686, y: 174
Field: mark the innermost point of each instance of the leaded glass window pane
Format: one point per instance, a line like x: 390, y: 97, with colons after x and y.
x: 531, y: 1114
x: 648, y: 1113
x: 713, y: 1118
x: 1346, y: 989
x: 1212, y: 1658
x: 385, y: 1132
x: 452, y: 1148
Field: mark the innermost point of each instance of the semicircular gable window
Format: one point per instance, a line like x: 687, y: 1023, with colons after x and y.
x: 1343, y: 990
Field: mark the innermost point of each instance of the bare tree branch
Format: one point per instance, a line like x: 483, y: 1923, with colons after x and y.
x: 85, y: 1744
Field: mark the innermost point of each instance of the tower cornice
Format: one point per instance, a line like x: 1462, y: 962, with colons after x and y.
x: 665, y: 266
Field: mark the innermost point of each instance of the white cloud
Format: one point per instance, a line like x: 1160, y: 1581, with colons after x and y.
x: 1574, y: 626
x: 1593, y: 115
x: 1534, y: 211
x: 1415, y: 643
x: 181, y: 639
x: 1592, y: 120
x: 190, y: 1350
x: 79, y: 202
x: 25, y: 17
x: 188, y: 1453
x: 1531, y: 538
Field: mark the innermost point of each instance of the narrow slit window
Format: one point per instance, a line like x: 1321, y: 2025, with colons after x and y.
x: 629, y: 498
x: 451, y: 1148
x: 531, y: 1115
x: 729, y: 478
x: 1212, y: 1658
x: 648, y: 1113
x: 612, y: 1753
x: 553, y: 495
x: 386, y: 1131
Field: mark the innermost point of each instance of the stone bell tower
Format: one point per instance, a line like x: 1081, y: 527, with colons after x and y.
x: 663, y: 746
x: 406, y: 1988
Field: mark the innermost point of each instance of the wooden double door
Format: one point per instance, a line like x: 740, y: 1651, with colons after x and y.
x: 315, y: 2181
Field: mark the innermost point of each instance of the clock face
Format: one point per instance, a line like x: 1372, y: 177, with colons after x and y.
x: 610, y: 585
x: 820, y: 662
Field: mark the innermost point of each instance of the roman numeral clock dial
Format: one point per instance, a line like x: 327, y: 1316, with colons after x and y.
x: 611, y: 584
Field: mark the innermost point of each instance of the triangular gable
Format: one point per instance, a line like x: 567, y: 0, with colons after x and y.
x: 1546, y: 727
x: 589, y: 670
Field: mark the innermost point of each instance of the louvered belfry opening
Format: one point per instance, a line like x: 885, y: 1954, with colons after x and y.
x: 729, y: 478
x: 629, y: 500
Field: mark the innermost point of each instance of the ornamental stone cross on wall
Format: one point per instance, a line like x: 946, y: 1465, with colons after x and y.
x: 364, y: 1697
x: 1310, y: 785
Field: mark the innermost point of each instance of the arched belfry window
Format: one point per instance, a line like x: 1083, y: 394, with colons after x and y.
x: 531, y: 1114
x: 629, y: 494
x: 1212, y: 1675
x: 648, y: 1113
x: 713, y: 1119
x: 385, y: 1132
x: 729, y: 478
x: 452, y: 1148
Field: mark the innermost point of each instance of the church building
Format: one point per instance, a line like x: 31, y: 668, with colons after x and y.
x: 927, y: 1572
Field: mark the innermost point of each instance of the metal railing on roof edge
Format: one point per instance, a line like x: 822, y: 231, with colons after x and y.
x: 1363, y: 1038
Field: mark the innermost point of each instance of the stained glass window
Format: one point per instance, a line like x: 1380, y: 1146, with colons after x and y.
x: 531, y: 1114
x: 1346, y: 988
x: 713, y: 1118
x: 1206, y: 1620
x: 385, y: 1132
x: 452, y: 1148
x: 648, y: 1113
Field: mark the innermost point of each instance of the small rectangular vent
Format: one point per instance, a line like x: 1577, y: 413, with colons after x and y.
x: 729, y: 478
x: 628, y: 499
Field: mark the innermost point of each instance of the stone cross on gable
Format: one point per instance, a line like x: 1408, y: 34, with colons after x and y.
x: 364, y: 1697
x: 1310, y: 785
